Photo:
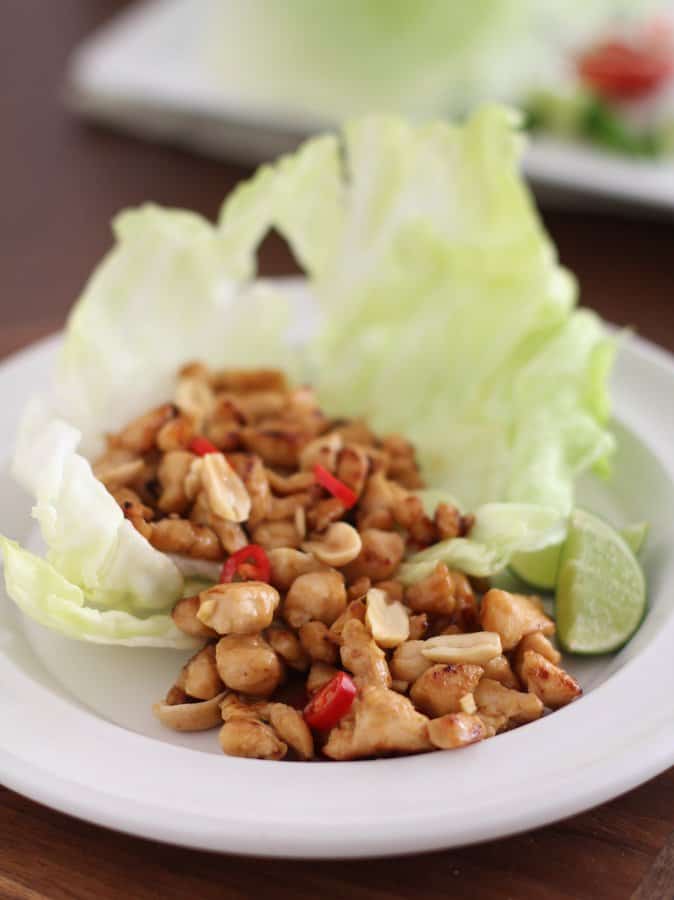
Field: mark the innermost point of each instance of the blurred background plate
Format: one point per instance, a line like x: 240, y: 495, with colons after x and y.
x: 188, y: 72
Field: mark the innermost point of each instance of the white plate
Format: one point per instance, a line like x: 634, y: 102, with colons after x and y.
x: 149, y: 72
x: 76, y: 730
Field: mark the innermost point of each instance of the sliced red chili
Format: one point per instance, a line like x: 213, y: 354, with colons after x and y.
x: 250, y: 563
x: 202, y: 446
x: 335, y: 487
x: 331, y: 703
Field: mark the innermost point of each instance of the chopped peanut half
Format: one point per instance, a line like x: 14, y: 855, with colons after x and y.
x: 478, y: 648
x: 387, y: 619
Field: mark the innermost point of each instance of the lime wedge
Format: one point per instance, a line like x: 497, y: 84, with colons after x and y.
x: 601, y: 590
x: 539, y: 569
x: 635, y: 535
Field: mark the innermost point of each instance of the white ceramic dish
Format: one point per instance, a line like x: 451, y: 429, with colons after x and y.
x: 148, y: 72
x: 77, y: 733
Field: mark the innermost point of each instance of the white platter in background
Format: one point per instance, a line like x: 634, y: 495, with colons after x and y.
x: 146, y: 72
x: 77, y: 733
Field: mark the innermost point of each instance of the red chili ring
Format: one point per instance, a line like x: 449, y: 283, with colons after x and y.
x: 331, y: 703
x: 334, y: 486
x: 251, y: 562
x: 202, y: 446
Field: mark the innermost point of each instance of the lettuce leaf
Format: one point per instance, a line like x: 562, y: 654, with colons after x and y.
x: 50, y: 599
x: 89, y: 541
x: 171, y: 290
x: 446, y: 315
x: 500, y: 531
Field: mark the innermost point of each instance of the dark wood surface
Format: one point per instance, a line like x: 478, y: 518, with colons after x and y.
x: 61, y: 183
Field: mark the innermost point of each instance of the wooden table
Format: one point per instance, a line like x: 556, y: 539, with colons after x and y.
x: 61, y: 183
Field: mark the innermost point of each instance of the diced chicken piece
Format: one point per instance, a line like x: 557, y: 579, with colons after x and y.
x: 379, y: 558
x: 440, y: 592
x: 288, y: 564
x: 440, y: 689
x: 319, y: 675
x: 238, y: 607
x: 540, y: 644
x: 380, y: 722
x: 513, y: 616
x: 493, y: 699
x: 552, y: 685
x: 286, y: 644
x: 361, y: 655
x: 199, y: 676
x: 251, y: 739
x: 290, y: 726
x: 185, y: 616
x: 247, y: 663
x: 317, y: 642
x: 499, y: 669
x: 353, y: 465
x: 358, y: 589
x: 418, y: 626
x: 408, y: 662
x: 493, y: 724
x: 355, y: 610
x: 456, y: 730
x: 316, y: 595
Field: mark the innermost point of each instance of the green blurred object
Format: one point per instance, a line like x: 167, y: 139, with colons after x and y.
x: 422, y: 58
x: 581, y: 114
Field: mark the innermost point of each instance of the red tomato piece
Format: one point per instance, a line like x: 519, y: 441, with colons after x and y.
x: 622, y: 71
x: 331, y: 703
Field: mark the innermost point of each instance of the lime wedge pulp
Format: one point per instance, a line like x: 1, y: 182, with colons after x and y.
x: 601, y: 590
x: 539, y: 569
x: 635, y: 536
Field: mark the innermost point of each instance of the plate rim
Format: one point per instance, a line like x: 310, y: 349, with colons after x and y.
x: 146, y: 819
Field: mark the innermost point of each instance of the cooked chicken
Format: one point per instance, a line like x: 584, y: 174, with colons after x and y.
x: 247, y: 663
x: 408, y: 662
x: 379, y: 723
x: 440, y: 689
x: 499, y: 669
x: 493, y: 699
x: 379, y: 558
x: 552, y: 685
x: 513, y: 616
x: 361, y: 656
x: 438, y: 592
x: 316, y: 595
x: 199, y: 676
x: 225, y: 478
x: 456, y: 730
